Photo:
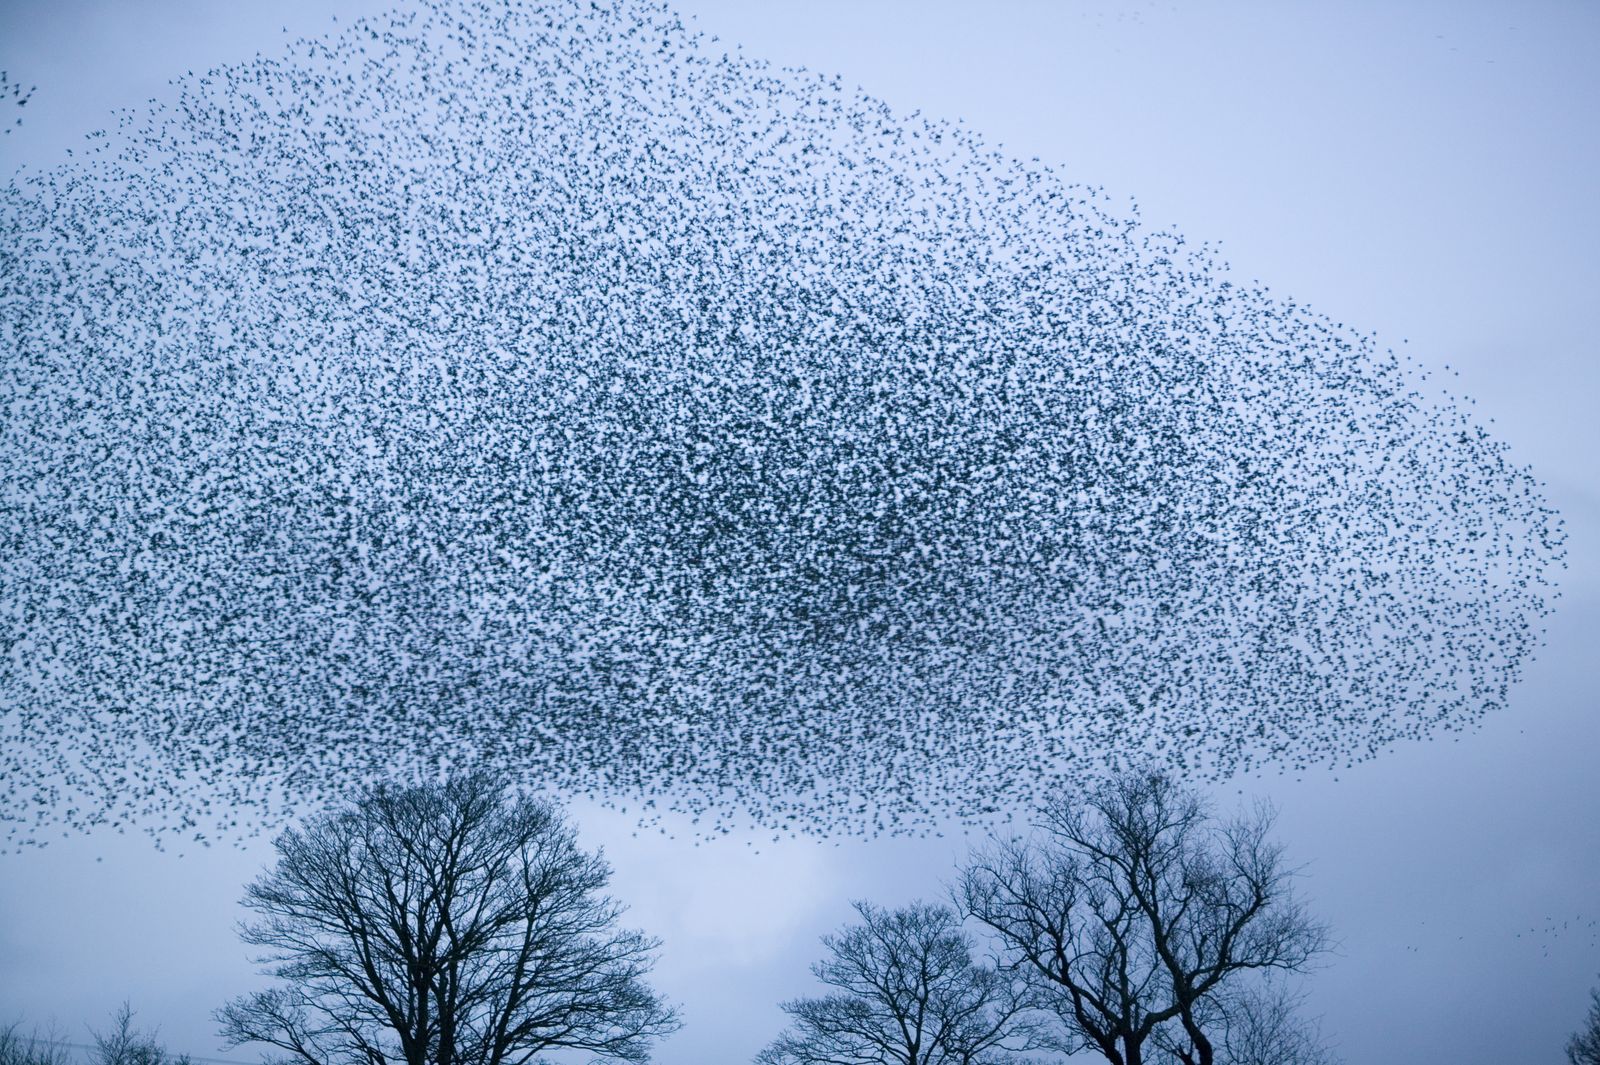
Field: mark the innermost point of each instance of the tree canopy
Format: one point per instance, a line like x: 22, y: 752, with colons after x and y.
x: 444, y: 924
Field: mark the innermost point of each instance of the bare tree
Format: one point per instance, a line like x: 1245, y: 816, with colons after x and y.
x: 1260, y: 1024
x: 31, y: 1049
x: 1584, y: 1046
x: 908, y: 993
x: 123, y: 1044
x: 1137, y: 909
x: 444, y: 925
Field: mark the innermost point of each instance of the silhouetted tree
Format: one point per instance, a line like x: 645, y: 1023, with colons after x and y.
x: 1136, y: 909
x: 31, y: 1049
x: 444, y: 925
x: 908, y: 993
x: 121, y: 1044
x: 1584, y: 1046
x: 1261, y: 1024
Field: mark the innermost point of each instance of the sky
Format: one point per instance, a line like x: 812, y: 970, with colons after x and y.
x: 1422, y: 170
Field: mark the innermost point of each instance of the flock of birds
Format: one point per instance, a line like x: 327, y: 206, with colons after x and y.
x: 536, y: 386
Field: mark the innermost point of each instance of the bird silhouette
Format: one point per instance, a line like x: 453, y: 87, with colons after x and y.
x: 14, y: 92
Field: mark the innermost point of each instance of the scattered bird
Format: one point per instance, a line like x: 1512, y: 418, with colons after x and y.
x: 1578, y: 925
x: 13, y: 91
x: 538, y: 387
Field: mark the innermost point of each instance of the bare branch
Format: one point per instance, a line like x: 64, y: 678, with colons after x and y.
x: 1135, y: 908
x: 444, y: 925
x: 908, y: 993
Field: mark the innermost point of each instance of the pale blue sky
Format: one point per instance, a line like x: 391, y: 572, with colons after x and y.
x: 1424, y: 170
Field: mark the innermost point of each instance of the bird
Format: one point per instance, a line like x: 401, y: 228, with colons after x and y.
x: 538, y: 387
x: 19, y: 97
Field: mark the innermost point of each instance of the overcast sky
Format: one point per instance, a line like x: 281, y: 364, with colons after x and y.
x: 1424, y: 170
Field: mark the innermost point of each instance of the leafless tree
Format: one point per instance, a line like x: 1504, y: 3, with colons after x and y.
x: 122, y: 1044
x: 31, y: 1049
x: 1584, y: 1046
x: 1262, y: 1023
x: 908, y: 993
x: 443, y: 925
x: 1137, y: 908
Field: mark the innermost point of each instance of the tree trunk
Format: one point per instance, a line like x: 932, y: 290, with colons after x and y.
x: 1201, y: 1052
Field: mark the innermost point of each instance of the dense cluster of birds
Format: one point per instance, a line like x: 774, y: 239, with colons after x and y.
x: 539, y: 386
